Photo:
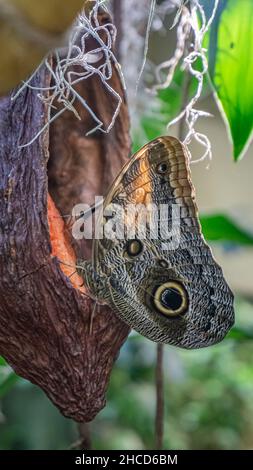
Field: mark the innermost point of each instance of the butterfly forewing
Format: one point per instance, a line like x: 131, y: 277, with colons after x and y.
x: 165, y: 282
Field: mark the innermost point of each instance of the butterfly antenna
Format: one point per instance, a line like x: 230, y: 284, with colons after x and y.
x: 83, y: 214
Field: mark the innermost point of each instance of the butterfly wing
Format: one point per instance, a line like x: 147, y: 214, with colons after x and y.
x: 164, y: 283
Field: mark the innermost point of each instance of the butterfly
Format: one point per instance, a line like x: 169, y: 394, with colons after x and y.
x: 162, y: 281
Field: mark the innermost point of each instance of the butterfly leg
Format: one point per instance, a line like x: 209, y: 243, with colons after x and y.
x: 96, y: 282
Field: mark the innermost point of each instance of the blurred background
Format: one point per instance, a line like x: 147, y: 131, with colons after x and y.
x: 209, y: 392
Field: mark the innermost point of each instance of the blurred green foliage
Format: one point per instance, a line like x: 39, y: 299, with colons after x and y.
x: 165, y: 106
x: 208, y: 393
x: 7, y: 377
x: 208, y: 396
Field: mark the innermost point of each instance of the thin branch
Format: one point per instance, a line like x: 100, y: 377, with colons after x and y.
x: 117, y: 13
x: 185, y: 97
x: 146, y: 43
x: 85, y: 436
x: 159, y: 423
x: 191, y: 21
x: 84, y: 441
x: 159, y: 419
x: 186, y: 89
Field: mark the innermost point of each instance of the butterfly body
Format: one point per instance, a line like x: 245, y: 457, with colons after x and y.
x: 163, y: 280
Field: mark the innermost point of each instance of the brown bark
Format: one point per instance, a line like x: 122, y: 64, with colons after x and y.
x: 44, y: 321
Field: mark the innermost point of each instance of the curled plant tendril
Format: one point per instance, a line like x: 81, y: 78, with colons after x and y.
x: 190, y: 20
x: 170, y: 65
x: 64, y: 76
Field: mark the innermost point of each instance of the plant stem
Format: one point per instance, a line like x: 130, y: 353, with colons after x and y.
x: 159, y: 420
x: 117, y: 13
x: 185, y: 97
x: 85, y: 436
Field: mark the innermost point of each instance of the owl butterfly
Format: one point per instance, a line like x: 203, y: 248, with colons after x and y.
x: 170, y: 294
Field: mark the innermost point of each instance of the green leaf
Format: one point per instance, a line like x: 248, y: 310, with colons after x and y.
x: 2, y: 361
x: 222, y: 228
x: 8, y: 378
x: 231, y: 68
x: 240, y: 334
x: 8, y: 384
